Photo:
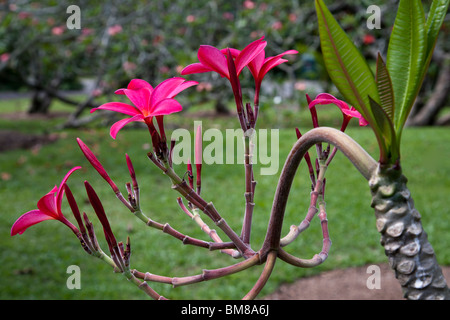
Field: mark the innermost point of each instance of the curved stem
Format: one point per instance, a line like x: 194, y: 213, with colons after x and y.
x: 302, y: 263
x: 143, y: 285
x: 270, y: 263
x: 189, y: 194
x: 312, y: 210
x: 204, y: 276
x: 350, y: 148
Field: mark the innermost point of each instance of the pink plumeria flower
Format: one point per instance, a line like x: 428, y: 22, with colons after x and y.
x: 213, y: 59
x: 347, y: 111
x: 49, y: 208
x: 261, y: 65
x: 148, y: 101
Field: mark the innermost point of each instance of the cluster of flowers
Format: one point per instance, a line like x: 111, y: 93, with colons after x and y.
x: 149, y: 103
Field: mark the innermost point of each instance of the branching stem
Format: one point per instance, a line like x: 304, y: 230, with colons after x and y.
x: 207, y: 208
x: 352, y: 150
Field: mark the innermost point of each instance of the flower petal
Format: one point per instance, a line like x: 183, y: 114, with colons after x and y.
x: 249, y: 53
x: 118, y: 107
x: 182, y: 87
x: 27, y: 220
x: 355, y: 114
x: 116, y: 127
x: 47, y: 205
x: 195, y: 68
x: 326, y: 96
x: 234, y: 52
x: 166, y: 89
x: 60, y: 191
x: 341, y: 104
x: 272, y: 62
x: 135, y: 84
x: 363, y: 122
x: 212, y: 58
x: 256, y: 64
x: 139, y: 97
x: 269, y: 65
x: 166, y: 106
x: 138, y: 84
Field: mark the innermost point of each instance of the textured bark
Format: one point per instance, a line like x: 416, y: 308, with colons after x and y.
x: 405, y: 242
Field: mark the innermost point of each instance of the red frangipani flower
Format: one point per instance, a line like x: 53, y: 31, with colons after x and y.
x: 49, y: 208
x: 213, y: 59
x: 148, y: 101
x: 221, y: 61
x: 260, y: 65
x: 347, y: 111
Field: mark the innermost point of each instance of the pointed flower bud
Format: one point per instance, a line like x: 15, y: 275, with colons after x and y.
x: 99, y: 210
x: 74, y: 207
x: 96, y: 164
x: 131, y: 170
x: 198, y: 157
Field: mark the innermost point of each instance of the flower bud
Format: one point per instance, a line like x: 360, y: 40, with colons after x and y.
x: 96, y: 164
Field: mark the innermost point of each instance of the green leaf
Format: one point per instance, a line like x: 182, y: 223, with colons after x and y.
x: 391, y: 153
x: 385, y: 89
x: 436, y: 16
x: 346, y: 66
x: 434, y: 22
x: 406, y: 58
x: 353, y: 77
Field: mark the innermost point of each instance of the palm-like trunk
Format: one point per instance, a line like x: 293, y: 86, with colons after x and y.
x: 405, y: 242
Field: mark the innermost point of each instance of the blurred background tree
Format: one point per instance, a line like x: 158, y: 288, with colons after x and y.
x: 153, y: 40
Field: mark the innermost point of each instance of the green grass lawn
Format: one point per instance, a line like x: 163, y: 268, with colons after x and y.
x: 34, y: 265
